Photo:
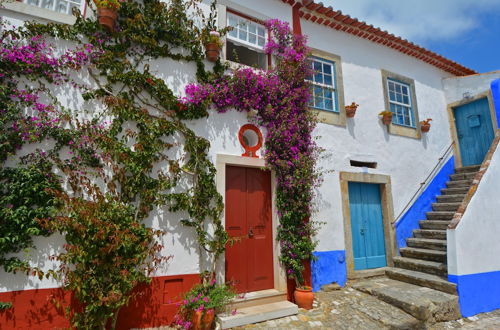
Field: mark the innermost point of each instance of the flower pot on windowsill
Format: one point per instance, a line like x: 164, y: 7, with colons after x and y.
x: 350, y: 110
x: 107, y: 18
x: 304, y: 297
x: 212, y: 50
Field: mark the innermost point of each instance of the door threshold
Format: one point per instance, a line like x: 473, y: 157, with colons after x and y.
x: 258, y: 298
x: 368, y: 273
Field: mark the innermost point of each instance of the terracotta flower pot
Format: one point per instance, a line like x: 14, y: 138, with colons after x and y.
x: 208, y: 319
x: 107, y: 18
x: 387, y: 119
x: 212, y: 51
x: 304, y: 297
x: 196, y: 320
x: 424, y: 128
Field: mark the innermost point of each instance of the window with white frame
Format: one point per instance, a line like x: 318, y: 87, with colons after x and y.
x: 323, y: 85
x: 61, y: 6
x: 245, y: 42
x: 400, y: 103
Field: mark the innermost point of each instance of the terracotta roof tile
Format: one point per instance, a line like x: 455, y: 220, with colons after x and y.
x: 335, y: 19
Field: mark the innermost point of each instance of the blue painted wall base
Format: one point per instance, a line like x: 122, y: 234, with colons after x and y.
x: 410, y: 220
x: 330, y: 267
x: 477, y: 293
x: 495, y: 91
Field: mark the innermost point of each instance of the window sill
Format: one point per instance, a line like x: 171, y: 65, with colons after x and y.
x: 330, y: 117
x: 237, y: 66
x: 410, y: 132
x: 37, y: 12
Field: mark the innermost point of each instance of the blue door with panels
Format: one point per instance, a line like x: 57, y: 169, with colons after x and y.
x: 367, y: 226
x: 474, y: 131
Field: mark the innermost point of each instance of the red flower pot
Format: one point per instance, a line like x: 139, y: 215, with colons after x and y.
x: 387, y: 119
x: 350, y: 110
x: 424, y: 128
x: 196, y: 320
x: 304, y: 297
x: 107, y: 18
x: 208, y: 319
x: 212, y: 51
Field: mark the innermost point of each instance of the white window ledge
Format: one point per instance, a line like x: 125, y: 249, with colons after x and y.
x: 38, y: 12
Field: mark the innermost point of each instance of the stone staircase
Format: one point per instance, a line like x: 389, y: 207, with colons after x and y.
x: 418, y: 281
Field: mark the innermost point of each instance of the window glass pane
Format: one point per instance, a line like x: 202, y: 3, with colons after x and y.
x: 398, y: 88
x: 318, y: 91
x: 261, y: 42
x: 318, y: 78
x: 327, y: 68
x: 405, y: 90
x: 328, y: 104
x: 392, y: 107
x: 391, y: 86
x: 399, y: 97
x: 252, y: 28
x: 261, y: 31
x: 317, y: 66
x: 406, y: 100
x: 62, y: 6
x: 328, y: 93
x: 33, y: 2
x: 392, y: 96
x: 242, y: 35
x: 48, y: 4
x: 233, y: 21
x: 320, y: 103
x: 252, y: 38
x: 328, y: 80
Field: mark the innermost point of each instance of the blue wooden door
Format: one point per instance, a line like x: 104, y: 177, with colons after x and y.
x: 367, y: 226
x: 474, y: 131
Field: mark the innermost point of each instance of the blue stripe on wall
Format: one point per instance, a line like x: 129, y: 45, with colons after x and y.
x: 410, y: 220
x: 495, y: 91
x: 477, y: 293
x: 328, y: 268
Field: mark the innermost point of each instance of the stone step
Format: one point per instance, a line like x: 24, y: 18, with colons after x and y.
x: 423, y: 303
x: 458, y: 183
x: 440, y: 215
x: 258, y: 298
x: 468, y: 169
x: 440, y: 206
x: 426, y: 243
x: 424, y: 266
x: 454, y: 191
x: 429, y: 233
x: 450, y: 198
x: 423, y: 279
x: 434, y: 224
x: 259, y: 313
x: 424, y: 254
x: 463, y: 176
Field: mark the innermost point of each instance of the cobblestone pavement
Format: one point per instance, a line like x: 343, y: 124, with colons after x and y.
x: 351, y: 309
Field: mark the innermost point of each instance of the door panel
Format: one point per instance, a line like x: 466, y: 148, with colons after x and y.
x: 248, y: 209
x: 367, y: 226
x: 474, y: 131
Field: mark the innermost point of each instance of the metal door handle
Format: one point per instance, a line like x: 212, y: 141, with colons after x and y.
x: 362, y: 231
x: 250, y: 233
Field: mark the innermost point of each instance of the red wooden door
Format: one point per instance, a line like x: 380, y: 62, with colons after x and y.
x: 249, y: 262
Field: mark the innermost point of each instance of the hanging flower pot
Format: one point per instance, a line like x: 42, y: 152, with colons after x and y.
x: 212, y: 51
x: 304, y: 297
x: 425, y: 125
x: 350, y: 110
x: 107, y: 18
x: 386, y: 117
x: 107, y: 13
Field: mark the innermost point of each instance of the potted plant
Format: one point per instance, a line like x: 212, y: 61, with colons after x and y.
x: 107, y: 12
x: 304, y: 296
x: 350, y: 110
x: 213, y: 44
x: 202, y: 302
x: 425, y: 125
x: 386, y: 117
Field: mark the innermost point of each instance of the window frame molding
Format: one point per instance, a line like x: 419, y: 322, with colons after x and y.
x: 396, y: 129
x: 330, y: 117
x: 23, y: 8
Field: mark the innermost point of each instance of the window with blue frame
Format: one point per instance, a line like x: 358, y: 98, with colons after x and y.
x: 400, y: 103
x: 323, y: 85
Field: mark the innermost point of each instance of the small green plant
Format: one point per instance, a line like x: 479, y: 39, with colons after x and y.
x: 5, y: 305
x: 108, y: 4
x: 426, y: 122
x: 212, y: 37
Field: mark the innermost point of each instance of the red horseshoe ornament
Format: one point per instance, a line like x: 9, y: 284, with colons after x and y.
x: 250, y: 151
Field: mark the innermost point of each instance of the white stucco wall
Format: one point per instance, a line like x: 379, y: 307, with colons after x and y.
x: 466, y: 253
x: 406, y: 160
x: 458, y: 88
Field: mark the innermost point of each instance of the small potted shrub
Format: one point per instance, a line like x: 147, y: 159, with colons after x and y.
x: 107, y: 12
x: 350, y: 110
x: 202, y: 302
x: 386, y: 117
x: 213, y: 44
x: 425, y: 125
x: 304, y: 296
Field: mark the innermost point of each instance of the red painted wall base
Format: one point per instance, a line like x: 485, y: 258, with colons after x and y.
x: 290, y: 284
x: 155, y: 305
